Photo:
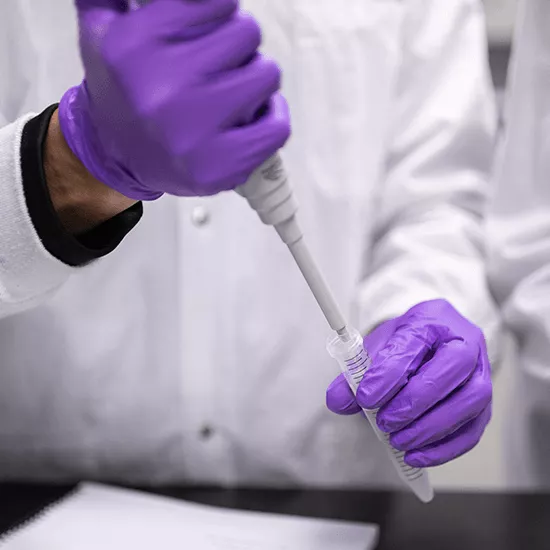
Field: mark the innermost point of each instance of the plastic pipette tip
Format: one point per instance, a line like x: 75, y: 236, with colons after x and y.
x: 344, y: 334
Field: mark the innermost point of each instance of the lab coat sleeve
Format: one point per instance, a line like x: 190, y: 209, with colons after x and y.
x: 429, y: 237
x: 37, y: 253
x: 28, y: 273
x: 519, y: 214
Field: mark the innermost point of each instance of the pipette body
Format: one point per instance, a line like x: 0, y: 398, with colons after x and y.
x: 269, y: 193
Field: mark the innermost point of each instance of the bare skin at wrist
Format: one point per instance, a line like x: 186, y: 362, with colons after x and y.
x: 81, y: 201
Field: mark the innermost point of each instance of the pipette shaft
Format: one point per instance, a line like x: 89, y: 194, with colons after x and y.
x: 269, y: 193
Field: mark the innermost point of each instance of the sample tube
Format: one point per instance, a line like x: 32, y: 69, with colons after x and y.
x: 347, y: 348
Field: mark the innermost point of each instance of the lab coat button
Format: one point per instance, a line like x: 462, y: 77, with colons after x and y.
x: 199, y: 216
x: 206, y: 432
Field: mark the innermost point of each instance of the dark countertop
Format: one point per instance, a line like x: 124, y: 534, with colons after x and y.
x: 460, y: 521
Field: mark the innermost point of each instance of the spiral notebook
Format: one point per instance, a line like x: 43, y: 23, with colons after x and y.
x: 101, y: 517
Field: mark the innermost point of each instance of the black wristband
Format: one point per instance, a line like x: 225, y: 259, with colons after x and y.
x: 71, y: 250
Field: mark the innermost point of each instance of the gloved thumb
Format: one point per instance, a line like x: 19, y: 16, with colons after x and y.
x: 340, y: 398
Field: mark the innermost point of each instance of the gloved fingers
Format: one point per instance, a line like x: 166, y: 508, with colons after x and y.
x: 452, y: 364
x: 377, y: 339
x: 244, y: 148
x: 232, y: 45
x: 271, y: 130
x: 447, y: 417
x: 162, y: 26
x: 224, y: 104
x: 248, y: 87
x: 96, y: 16
x: 395, y: 363
x: 451, y: 447
x: 340, y: 398
x: 182, y: 20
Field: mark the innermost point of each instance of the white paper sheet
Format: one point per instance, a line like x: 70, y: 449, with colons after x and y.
x: 100, y: 517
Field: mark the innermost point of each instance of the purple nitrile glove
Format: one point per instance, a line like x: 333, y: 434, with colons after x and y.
x: 431, y: 379
x: 176, y: 98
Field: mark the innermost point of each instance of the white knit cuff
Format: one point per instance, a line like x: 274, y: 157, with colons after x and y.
x: 28, y: 272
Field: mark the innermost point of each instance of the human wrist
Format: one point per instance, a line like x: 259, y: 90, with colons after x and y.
x: 80, y: 200
x: 83, y: 139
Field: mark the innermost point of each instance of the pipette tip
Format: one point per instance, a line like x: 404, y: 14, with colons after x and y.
x: 344, y: 334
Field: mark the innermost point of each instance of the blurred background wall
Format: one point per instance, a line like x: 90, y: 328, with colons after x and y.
x: 483, y: 468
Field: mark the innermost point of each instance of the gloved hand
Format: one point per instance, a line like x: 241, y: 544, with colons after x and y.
x: 176, y: 98
x: 431, y: 379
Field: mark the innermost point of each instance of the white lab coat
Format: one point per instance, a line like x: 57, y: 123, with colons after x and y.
x: 519, y: 237
x: 195, y: 352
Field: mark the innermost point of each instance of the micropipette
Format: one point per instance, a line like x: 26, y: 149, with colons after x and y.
x: 269, y: 193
